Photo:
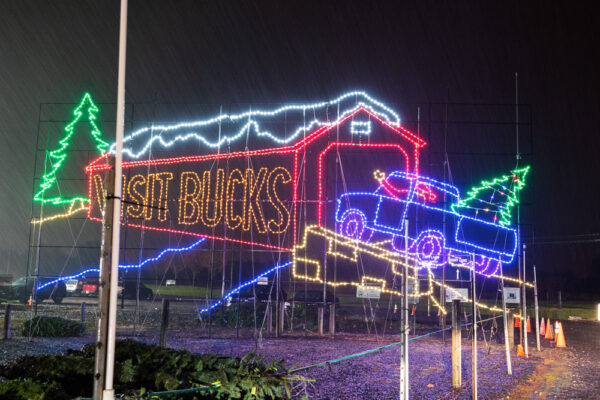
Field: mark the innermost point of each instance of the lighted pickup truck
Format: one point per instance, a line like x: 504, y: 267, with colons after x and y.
x: 401, y: 195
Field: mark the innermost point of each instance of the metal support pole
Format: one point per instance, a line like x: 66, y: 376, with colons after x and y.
x: 7, y: 316
x: 537, y: 312
x: 83, y: 312
x: 164, y: 322
x: 107, y: 325
x: 524, y: 286
x: 507, y: 325
x: 474, y: 358
x: 404, y: 323
x: 456, y: 345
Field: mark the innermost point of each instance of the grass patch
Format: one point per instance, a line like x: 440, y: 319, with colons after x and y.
x: 182, y: 291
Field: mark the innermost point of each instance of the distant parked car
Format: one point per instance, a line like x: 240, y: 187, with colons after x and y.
x: 73, y: 287
x: 314, y: 297
x: 89, y: 287
x: 170, y: 282
x: 22, y: 289
x: 263, y: 294
x: 129, y: 290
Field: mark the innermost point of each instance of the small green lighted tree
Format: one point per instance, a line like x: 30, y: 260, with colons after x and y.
x: 57, y: 157
x: 493, y: 200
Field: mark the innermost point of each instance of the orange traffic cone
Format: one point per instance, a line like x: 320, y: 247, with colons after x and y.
x: 542, y: 328
x: 520, y: 352
x: 395, y: 308
x: 439, y: 312
x: 549, y: 331
x: 528, y: 325
x: 556, y: 331
x: 30, y: 301
x: 517, y: 321
x: 560, y: 337
x: 413, y: 310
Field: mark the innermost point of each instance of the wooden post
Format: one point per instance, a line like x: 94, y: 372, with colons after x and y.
x: 456, y: 345
x: 164, y: 323
x: 270, y: 317
x: 321, y: 317
x: 332, y: 319
x: 511, y: 330
x: 7, y: 316
x: 83, y: 312
x: 281, y: 319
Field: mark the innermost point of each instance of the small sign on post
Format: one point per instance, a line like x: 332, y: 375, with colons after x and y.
x: 456, y: 294
x: 512, y: 295
x: 368, y: 292
x: 263, y: 280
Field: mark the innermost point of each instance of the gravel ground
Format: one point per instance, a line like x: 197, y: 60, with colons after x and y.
x: 570, y: 373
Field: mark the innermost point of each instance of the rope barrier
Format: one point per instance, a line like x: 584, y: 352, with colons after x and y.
x: 362, y: 353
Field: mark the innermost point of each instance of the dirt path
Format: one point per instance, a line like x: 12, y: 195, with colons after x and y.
x: 566, y: 373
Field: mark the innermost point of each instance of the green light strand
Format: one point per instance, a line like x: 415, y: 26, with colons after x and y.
x: 59, y: 155
x: 516, y: 178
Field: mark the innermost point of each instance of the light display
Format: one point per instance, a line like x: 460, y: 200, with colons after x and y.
x: 58, y: 156
x: 268, y: 196
x: 493, y: 200
x: 235, y: 291
x: 226, y: 195
x: 348, y: 103
x: 403, y: 193
x: 126, y: 266
x: 74, y: 208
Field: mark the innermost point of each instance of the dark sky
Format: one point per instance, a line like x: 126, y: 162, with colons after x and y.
x: 274, y: 52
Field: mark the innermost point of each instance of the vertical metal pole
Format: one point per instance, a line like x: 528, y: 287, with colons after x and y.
x: 83, y: 312
x: 537, y: 314
x: 404, y: 322
x: 474, y: 358
x: 456, y: 345
x: 524, y: 286
x: 115, y: 201
x: 505, y: 321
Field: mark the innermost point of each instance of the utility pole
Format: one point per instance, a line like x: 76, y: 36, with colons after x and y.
x: 109, y: 273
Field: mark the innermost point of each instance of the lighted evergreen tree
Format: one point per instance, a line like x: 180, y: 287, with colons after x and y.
x: 493, y: 200
x: 49, y: 192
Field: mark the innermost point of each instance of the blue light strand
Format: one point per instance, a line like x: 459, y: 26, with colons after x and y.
x: 366, y: 102
x: 126, y: 267
x: 243, y: 285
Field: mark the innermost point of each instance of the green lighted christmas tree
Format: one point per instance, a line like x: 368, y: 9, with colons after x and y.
x: 493, y: 200
x: 49, y: 192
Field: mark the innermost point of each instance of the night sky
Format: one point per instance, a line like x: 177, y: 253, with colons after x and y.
x: 234, y: 52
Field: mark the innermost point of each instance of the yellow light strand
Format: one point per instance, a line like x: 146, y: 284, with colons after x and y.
x: 72, y: 210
